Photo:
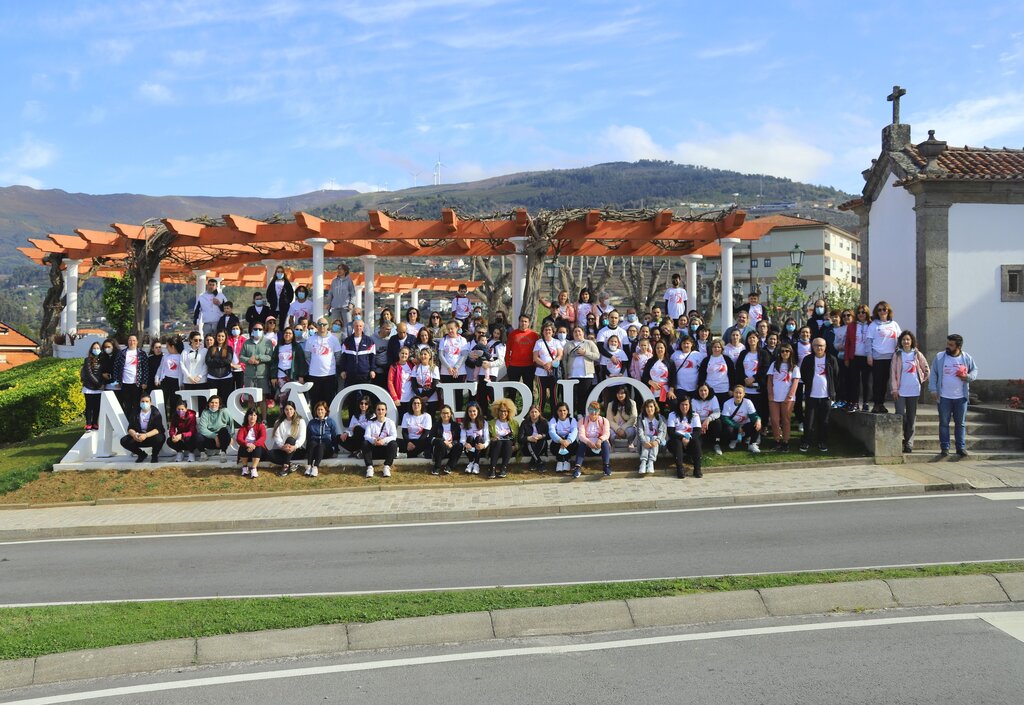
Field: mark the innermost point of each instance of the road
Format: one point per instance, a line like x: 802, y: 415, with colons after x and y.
x: 629, y: 546
x: 923, y: 656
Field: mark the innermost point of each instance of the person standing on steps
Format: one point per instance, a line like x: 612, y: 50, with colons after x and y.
x: 952, y: 372
x: 909, y: 371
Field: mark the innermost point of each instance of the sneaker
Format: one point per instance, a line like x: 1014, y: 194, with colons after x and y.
x: 907, y: 448
x: 944, y: 452
x: 732, y: 445
x: 852, y: 408
x: 178, y: 457
x: 576, y: 472
x: 804, y: 447
x: 962, y: 452
x: 315, y: 472
x: 140, y: 457
x: 680, y: 472
x: 446, y: 471
x: 492, y: 474
x: 801, y: 427
x: 718, y: 449
x: 254, y: 474
x: 387, y: 471
x: 698, y: 473
x: 560, y: 466
x: 503, y: 473
x: 754, y: 448
x: 435, y: 472
x: 308, y: 471
x: 822, y: 448
x: 203, y: 456
x: 469, y: 468
x: 245, y: 471
x: 864, y: 407
x: 476, y: 468
x: 643, y: 469
x: 191, y: 458
x: 783, y: 448
x: 607, y: 470
x: 369, y: 472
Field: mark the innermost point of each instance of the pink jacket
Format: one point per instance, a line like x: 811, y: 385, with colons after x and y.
x: 897, y: 370
x: 603, y: 429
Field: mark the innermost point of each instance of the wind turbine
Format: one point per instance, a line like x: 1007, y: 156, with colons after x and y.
x: 437, y: 170
x: 415, y: 177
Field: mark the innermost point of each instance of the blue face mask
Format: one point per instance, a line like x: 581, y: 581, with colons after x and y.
x: 235, y: 332
x: 257, y: 334
x: 819, y: 310
x: 95, y: 351
x: 604, y: 321
x: 300, y: 334
x: 279, y: 275
x: 301, y: 295
x: 336, y: 328
x: 790, y: 327
x: 631, y: 317
x: 144, y: 406
x: 357, y: 318
x: 258, y: 302
x: 694, y: 326
x: 826, y: 323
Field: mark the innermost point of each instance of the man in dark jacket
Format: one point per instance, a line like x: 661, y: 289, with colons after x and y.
x: 357, y: 359
x: 820, y: 374
x: 145, y: 430
x: 401, y: 339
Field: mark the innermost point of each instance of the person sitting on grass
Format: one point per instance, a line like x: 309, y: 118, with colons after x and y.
x: 740, y: 420
x: 593, y: 433
x: 252, y: 443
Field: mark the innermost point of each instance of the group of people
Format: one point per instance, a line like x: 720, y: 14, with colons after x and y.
x: 708, y: 392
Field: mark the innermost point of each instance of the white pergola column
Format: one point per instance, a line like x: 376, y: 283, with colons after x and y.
x: 271, y: 265
x: 398, y: 307
x: 414, y: 299
x: 201, y: 276
x: 71, y: 294
x: 358, y: 303
x: 318, y: 244
x: 154, y: 303
x: 727, y: 243
x: 518, y: 281
x: 63, y: 325
x: 692, y: 290
x: 369, y: 267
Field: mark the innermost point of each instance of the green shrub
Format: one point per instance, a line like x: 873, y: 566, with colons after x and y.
x: 38, y: 396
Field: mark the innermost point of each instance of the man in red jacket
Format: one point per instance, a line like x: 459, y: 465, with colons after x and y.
x: 519, y: 353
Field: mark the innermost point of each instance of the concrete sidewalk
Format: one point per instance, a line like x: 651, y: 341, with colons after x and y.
x: 681, y: 610
x: 497, y: 499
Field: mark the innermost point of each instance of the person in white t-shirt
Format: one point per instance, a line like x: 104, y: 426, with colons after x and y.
x: 819, y: 374
x: 881, y: 337
x: 783, y: 379
x: 952, y: 372
x: 740, y: 421
x: 687, y: 361
x: 547, y: 358
x: 909, y: 371
x: 323, y: 356
x: 301, y: 307
x: 416, y: 427
x: 380, y: 440
x: 462, y: 307
x: 675, y: 299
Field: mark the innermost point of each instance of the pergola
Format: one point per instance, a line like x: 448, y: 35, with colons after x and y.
x: 197, y: 250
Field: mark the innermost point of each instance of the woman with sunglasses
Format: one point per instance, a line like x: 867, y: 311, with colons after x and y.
x: 883, y: 335
x: 352, y: 437
x: 856, y: 359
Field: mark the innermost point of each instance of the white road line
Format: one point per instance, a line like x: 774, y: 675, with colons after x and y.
x: 495, y: 654
x: 463, y: 522
x: 463, y: 588
x: 1016, y: 496
x: 1010, y: 622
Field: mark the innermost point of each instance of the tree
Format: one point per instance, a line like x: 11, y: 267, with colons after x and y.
x: 644, y: 281
x: 493, y: 289
x: 118, y: 303
x: 53, y: 304
x: 787, y: 294
x: 844, y: 296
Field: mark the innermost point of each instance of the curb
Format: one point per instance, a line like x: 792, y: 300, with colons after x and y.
x: 325, y: 520
x: 701, y: 608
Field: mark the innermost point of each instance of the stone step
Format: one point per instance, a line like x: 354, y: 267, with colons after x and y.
x: 974, y: 428
x: 979, y: 443
x: 922, y: 455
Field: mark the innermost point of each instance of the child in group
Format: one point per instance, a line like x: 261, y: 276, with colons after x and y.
x: 705, y: 403
x: 563, y: 431
x: 425, y: 378
x: 684, y: 426
x: 446, y: 439
x: 381, y: 439
x: 740, y: 420
x: 168, y: 375
x: 475, y: 436
x: 400, y: 380
x: 533, y: 437
x: 615, y: 363
x: 650, y: 433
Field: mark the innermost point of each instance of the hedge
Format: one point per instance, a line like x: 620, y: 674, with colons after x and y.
x: 38, y: 396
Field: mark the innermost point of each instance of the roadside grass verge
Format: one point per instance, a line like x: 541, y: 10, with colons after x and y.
x: 24, y: 478
x: 35, y: 631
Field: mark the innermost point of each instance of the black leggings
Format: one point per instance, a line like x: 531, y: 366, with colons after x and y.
x: 354, y: 443
x: 713, y: 434
x: 420, y: 446
x: 316, y: 452
x: 859, y: 383
x: 692, y: 449
x: 257, y: 453
x: 750, y: 434
x: 501, y: 452
x: 279, y: 456
x: 880, y: 381
x: 547, y: 393
x: 536, y: 449
x: 445, y: 457
x: 185, y: 445
x: 222, y: 437
x: 92, y: 409
x: 387, y: 452
x: 580, y: 393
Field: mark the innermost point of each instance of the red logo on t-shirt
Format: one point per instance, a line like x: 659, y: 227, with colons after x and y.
x: 172, y: 365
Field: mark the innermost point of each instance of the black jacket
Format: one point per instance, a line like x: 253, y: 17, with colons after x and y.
x: 831, y: 374
x: 287, y: 296
x: 156, y: 422
x: 730, y: 368
x: 396, y: 343
x: 436, y: 430
x: 764, y: 361
x: 227, y: 320
x: 529, y: 428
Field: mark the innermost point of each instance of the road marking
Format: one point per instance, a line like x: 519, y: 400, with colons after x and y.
x: 462, y: 588
x: 1010, y: 622
x: 496, y: 654
x: 1016, y: 496
x: 463, y: 522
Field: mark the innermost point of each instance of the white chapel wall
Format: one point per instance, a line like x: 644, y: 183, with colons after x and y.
x: 982, y: 237
x: 892, y: 253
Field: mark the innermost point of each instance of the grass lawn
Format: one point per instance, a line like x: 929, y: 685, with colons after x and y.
x: 28, y: 632
x: 23, y: 462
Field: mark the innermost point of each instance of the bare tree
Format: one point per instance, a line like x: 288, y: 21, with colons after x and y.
x: 493, y: 290
x: 144, y: 256
x: 578, y: 272
x: 643, y: 281
x: 53, y: 304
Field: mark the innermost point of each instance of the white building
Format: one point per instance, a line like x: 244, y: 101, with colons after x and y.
x: 941, y: 229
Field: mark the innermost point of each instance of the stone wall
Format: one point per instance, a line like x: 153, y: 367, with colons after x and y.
x: 881, y: 434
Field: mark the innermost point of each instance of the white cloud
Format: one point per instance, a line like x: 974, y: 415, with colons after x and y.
x: 977, y: 121
x: 423, y: 129
x: 394, y: 10
x: 155, y: 92
x: 113, y: 50
x: 768, y: 149
x: 185, y: 58
x: 730, y: 50
x: 30, y: 155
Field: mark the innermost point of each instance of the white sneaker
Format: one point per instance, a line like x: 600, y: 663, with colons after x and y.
x: 718, y: 449
x: 369, y: 472
x: 254, y: 474
x: 223, y: 453
x: 754, y: 448
x: 178, y: 457
x: 476, y: 468
x: 203, y: 456
x: 801, y: 428
x: 308, y: 471
x: 387, y: 471
x: 469, y: 468
x: 245, y: 471
x: 642, y: 470
x: 314, y: 472
x: 191, y: 458
x: 732, y: 445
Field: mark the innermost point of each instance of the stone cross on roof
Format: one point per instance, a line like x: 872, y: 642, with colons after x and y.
x: 894, y: 98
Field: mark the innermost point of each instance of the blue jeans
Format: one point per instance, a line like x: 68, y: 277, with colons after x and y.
x: 957, y: 408
x: 583, y: 450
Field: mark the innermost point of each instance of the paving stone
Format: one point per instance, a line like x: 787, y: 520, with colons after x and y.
x: 951, y: 590
x: 258, y: 646
x: 115, y: 660
x: 696, y: 609
x: 16, y: 674
x: 819, y: 599
x: 562, y: 619
x: 439, y: 629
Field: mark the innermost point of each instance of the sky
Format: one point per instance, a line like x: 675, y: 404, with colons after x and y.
x: 280, y: 97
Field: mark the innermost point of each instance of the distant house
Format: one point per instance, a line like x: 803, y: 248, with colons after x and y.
x: 15, y: 348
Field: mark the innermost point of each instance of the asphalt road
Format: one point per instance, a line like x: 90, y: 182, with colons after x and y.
x: 764, y: 538
x: 935, y: 656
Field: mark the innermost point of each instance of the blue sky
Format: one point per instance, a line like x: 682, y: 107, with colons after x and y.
x: 277, y: 97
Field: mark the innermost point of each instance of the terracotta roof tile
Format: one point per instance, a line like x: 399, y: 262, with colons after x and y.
x: 970, y: 163
x: 13, y: 359
x: 10, y: 338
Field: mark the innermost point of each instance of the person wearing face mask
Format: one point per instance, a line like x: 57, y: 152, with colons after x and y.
x: 107, y: 357
x: 145, y: 431
x: 258, y: 311
x: 91, y: 376
x: 302, y: 306
x: 168, y: 375
x: 256, y: 353
x: 131, y: 372
x: 611, y: 329
x: 819, y: 316
x: 182, y: 436
x: 235, y: 342
x: 193, y: 366
x: 788, y: 332
x: 228, y: 319
x: 280, y: 294
x: 343, y: 294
